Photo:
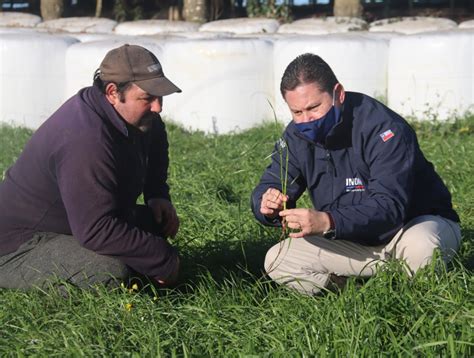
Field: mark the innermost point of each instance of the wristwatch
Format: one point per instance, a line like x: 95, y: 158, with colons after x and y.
x: 330, y: 234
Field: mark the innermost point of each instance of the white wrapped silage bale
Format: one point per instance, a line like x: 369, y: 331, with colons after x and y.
x: 226, y: 83
x: 358, y: 60
x: 89, y: 37
x: 18, y: 30
x: 431, y: 74
x: 264, y: 36
x: 242, y: 25
x: 32, y: 73
x: 322, y: 26
x: 30, y: 30
x: 412, y: 25
x: 150, y: 27
x: 469, y: 24
x: 82, y: 59
x: 197, y: 35
x: 80, y: 24
x: 380, y: 35
x: 18, y: 19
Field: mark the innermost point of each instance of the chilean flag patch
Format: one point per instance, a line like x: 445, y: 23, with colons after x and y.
x: 387, y: 135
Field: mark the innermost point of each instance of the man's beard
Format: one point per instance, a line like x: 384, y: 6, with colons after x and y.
x: 146, y: 122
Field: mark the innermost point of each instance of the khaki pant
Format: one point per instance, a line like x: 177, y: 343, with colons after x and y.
x: 306, y: 264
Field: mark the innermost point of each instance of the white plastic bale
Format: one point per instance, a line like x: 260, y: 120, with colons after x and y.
x: 225, y: 82
x: 431, y: 74
x: 29, y: 30
x: 273, y: 36
x: 18, y: 30
x: 321, y: 26
x: 469, y: 24
x: 80, y: 24
x: 150, y: 27
x: 197, y: 35
x: 380, y: 35
x: 242, y: 25
x: 32, y: 72
x: 412, y: 25
x: 164, y: 36
x: 90, y: 37
x: 359, y: 62
x: 82, y: 59
x: 18, y: 19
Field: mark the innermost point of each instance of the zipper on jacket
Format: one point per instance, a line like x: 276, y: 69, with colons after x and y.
x: 330, y: 167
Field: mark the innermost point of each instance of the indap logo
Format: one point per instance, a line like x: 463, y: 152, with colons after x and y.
x: 354, y: 184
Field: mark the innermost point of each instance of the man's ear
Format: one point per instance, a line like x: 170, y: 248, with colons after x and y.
x: 111, y: 93
x: 340, y: 93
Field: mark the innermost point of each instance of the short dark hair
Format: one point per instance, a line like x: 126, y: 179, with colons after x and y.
x: 101, y: 85
x: 305, y: 69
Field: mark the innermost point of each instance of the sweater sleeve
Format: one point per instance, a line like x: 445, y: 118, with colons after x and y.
x: 88, y: 183
x: 156, y: 185
x: 389, y: 150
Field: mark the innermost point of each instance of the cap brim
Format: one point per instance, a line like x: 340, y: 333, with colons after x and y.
x: 159, y: 86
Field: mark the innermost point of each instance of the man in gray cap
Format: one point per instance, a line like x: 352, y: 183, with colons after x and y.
x: 68, y: 204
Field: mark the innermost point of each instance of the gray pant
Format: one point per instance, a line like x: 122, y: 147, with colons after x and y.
x: 50, y: 257
x: 310, y: 263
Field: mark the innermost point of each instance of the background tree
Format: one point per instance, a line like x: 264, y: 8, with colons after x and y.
x: 195, y: 10
x: 51, y: 9
x: 98, y: 8
x: 349, y: 8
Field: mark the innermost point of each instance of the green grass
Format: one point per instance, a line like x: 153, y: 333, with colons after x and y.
x: 225, y: 306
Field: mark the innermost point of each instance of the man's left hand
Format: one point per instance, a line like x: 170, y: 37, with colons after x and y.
x: 165, y: 215
x: 307, y: 221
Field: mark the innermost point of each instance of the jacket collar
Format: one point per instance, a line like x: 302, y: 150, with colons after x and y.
x: 99, y: 104
x: 341, y: 135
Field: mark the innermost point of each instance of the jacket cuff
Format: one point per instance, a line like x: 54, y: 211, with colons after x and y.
x: 331, y: 221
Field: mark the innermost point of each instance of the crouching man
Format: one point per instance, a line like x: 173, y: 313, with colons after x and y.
x: 68, y: 204
x: 374, y: 195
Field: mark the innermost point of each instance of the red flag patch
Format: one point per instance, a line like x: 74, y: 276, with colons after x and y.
x: 387, y: 135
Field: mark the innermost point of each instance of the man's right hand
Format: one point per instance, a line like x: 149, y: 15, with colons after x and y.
x: 272, y: 203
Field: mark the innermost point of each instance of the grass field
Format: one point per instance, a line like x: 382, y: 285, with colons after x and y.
x: 224, y: 305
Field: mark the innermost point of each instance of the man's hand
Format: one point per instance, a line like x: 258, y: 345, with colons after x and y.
x: 165, y: 215
x: 307, y: 221
x: 272, y: 203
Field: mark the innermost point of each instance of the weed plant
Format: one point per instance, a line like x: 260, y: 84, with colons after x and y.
x: 225, y: 306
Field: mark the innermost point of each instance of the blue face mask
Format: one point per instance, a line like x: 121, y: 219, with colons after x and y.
x: 318, y: 130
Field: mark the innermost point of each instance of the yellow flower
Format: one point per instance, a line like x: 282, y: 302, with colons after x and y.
x: 128, y: 307
x: 133, y: 289
x: 463, y: 130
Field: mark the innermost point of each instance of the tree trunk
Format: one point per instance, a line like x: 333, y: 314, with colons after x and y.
x: 174, y: 14
x: 349, y: 8
x: 98, y: 8
x: 195, y: 10
x: 51, y: 9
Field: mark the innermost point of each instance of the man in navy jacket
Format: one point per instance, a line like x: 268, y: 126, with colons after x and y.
x: 374, y: 194
x: 68, y: 205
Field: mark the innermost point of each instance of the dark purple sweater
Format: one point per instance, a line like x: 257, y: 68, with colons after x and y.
x: 81, y: 174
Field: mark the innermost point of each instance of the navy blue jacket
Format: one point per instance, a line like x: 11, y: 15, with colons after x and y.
x: 80, y: 174
x: 370, y: 175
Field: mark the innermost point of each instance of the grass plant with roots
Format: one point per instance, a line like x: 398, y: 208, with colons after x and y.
x: 282, y: 150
